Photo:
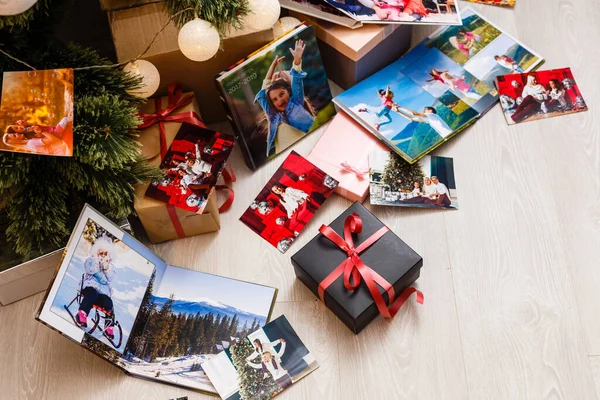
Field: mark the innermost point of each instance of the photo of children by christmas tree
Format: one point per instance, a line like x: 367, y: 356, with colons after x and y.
x: 36, y: 112
x: 278, y: 95
x: 428, y: 183
x: 261, y: 365
x: 539, y: 95
x: 288, y: 201
x: 102, y: 285
x: 192, y: 167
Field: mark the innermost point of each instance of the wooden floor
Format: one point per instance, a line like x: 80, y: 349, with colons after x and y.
x: 511, y: 280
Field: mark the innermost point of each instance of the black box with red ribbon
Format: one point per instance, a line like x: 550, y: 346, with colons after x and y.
x: 359, y: 268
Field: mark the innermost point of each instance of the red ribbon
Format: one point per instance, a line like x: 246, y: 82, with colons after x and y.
x: 228, y: 176
x: 353, y: 267
x: 176, y: 223
x: 160, y: 116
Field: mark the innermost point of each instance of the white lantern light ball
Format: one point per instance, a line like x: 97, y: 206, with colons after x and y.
x: 263, y: 14
x: 14, y: 7
x: 198, y: 40
x: 284, y: 25
x: 149, y: 74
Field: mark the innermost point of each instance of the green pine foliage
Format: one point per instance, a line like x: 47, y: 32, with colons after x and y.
x: 401, y: 175
x: 38, y: 192
x: 220, y: 13
x: 253, y: 383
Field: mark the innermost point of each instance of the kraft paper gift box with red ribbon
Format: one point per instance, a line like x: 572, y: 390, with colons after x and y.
x: 359, y: 268
x: 343, y: 152
x: 161, y: 120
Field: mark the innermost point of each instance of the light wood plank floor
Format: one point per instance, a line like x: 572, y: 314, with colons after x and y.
x: 512, y: 299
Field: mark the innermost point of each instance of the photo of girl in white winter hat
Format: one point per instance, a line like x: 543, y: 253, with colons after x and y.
x: 102, y: 286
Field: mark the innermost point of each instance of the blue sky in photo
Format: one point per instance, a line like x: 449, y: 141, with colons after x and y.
x: 132, y: 276
x: 434, y: 59
x: 406, y: 94
x: 484, y: 61
x: 197, y: 286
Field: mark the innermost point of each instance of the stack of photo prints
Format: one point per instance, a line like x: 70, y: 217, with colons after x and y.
x: 192, y: 166
x: 503, y: 3
x: 438, y: 88
x: 36, y: 113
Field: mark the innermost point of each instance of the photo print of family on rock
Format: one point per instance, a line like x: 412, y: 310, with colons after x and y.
x: 288, y: 201
x: 277, y: 95
x: 114, y: 297
x: 438, y: 88
x: 261, y: 365
x: 36, y: 112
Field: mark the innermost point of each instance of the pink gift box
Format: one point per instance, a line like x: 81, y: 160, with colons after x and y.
x: 343, y: 152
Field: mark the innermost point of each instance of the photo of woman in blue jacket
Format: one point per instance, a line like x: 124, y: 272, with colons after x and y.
x: 283, y: 100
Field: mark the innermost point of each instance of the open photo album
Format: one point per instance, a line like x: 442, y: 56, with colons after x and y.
x: 114, y: 297
x: 277, y: 95
x: 421, y: 12
x: 438, y: 88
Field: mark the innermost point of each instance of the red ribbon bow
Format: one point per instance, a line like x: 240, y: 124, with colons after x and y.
x: 353, y: 267
x: 349, y: 168
x: 160, y: 116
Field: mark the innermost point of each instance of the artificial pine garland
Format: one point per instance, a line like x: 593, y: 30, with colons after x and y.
x: 37, y: 192
x: 220, y: 13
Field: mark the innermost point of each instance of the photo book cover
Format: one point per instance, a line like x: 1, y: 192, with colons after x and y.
x: 278, y: 95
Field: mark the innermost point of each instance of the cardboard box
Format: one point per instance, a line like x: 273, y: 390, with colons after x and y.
x: 156, y: 216
x: 133, y: 29
x: 351, y: 55
x: 343, y: 152
x: 389, y: 256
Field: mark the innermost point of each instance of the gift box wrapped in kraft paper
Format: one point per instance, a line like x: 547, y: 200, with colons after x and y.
x: 162, y: 221
x: 135, y: 22
x: 343, y: 152
x: 359, y: 268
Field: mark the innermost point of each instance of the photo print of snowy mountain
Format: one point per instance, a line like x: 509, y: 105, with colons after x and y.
x: 116, y: 298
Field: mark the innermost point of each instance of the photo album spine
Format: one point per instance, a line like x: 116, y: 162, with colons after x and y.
x: 238, y: 133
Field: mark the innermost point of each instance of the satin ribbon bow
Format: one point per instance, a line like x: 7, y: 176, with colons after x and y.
x: 354, y: 268
x: 160, y: 116
x: 351, y: 169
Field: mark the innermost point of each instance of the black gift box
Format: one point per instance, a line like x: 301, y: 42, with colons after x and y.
x: 390, y: 257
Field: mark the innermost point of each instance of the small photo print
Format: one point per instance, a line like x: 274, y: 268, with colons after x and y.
x: 503, y: 3
x: 102, y: 287
x: 428, y: 183
x: 36, y: 112
x: 210, y: 311
x: 261, y: 365
x: 539, y: 95
x: 428, y: 12
x: 191, y: 168
x: 288, y: 201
